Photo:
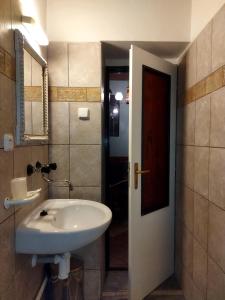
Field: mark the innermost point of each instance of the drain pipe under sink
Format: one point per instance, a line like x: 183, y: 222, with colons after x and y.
x: 63, y: 260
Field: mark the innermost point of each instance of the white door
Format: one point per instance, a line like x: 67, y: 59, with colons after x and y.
x: 152, y: 122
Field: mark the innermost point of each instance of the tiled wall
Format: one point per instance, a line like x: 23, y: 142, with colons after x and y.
x: 18, y: 280
x: 200, y: 216
x: 75, y: 145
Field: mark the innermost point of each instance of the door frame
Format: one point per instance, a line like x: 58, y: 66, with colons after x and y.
x: 106, y: 150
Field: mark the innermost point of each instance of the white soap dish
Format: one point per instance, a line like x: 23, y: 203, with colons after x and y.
x: 31, y: 196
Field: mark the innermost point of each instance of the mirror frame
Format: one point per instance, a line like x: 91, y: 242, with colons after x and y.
x: 21, y: 139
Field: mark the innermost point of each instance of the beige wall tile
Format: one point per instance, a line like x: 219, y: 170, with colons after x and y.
x: 92, y: 284
x: 187, y: 251
x: 87, y: 193
x: 84, y: 64
x: 189, y: 124
x: 218, y: 39
x: 28, y: 282
x: 201, y: 173
x: 7, y: 108
x: 214, y: 81
x: 94, y: 94
x: 58, y: 192
x: 91, y: 255
x: 199, y: 90
x: 61, y: 156
x: 217, y: 177
x: 216, y: 243
x: 71, y: 94
x: 202, y: 121
x: 38, y: 154
x: 191, y: 66
x: 7, y: 260
x: 188, y: 166
x: 197, y: 294
x: 216, y: 282
x: 217, y: 118
x: 199, y: 267
x: 59, y: 122
x: 188, y: 208
x: 10, y: 293
x: 187, y: 286
x: 85, y: 131
x: 85, y: 162
x: 58, y: 64
x: 6, y: 174
x: 204, y: 52
x: 6, y: 33
x: 201, y: 212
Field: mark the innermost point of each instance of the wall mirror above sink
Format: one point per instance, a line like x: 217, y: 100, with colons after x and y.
x: 31, y: 94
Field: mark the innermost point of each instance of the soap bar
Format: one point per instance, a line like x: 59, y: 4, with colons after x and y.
x: 19, y: 188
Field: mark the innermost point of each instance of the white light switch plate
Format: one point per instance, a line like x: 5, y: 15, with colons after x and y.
x: 83, y: 113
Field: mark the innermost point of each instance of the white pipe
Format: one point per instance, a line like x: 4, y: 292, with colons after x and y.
x: 63, y: 260
x: 42, y: 288
x: 64, y: 266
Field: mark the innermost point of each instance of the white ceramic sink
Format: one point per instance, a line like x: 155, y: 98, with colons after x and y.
x: 69, y: 225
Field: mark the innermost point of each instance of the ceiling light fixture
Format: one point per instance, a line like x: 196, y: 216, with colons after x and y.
x: 35, y: 30
x: 119, y: 96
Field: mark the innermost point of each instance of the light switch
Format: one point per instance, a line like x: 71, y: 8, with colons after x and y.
x: 83, y: 113
x: 8, y: 142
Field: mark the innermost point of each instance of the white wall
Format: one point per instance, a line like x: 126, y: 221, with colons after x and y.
x: 201, y: 13
x: 36, y: 9
x: 118, y: 20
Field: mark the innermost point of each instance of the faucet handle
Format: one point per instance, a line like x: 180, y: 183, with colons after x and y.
x: 53, y: 166
x: 39, y: 167
x: 48, y: 168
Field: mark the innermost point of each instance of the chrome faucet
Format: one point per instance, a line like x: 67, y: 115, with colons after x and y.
x: 55, y: 181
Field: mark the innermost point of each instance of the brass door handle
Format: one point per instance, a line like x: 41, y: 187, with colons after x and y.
x: 142, y: 171
x: 138, y: 172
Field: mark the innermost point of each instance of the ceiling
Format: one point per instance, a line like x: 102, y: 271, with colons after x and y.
x: 120, y: 50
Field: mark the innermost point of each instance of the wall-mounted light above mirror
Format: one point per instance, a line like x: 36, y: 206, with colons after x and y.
x: 31, y: 94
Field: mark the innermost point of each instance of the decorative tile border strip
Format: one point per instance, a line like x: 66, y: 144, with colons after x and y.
x: 7, y: 64
x: 69, y: 94
x: 211, y: 83
x: 33, y: 93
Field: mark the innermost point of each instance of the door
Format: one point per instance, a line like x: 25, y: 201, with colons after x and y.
x: 152, y: 119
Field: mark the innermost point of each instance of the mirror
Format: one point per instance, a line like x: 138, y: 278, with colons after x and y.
x: 31, y: 94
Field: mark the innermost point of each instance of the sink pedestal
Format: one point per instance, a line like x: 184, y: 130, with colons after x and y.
x: 62, y: 259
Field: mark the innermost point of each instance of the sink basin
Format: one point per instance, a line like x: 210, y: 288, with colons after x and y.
x: 69, y: 225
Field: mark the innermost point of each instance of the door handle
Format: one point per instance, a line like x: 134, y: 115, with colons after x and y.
x: 138, y: 172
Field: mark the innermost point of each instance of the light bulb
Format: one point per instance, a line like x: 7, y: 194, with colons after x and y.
x: 115, y: 111
x: 119, y: 96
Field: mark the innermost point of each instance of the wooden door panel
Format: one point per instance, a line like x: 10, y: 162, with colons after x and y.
x: 155, y: 139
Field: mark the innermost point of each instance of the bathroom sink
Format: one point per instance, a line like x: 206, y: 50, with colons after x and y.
x: 68, y: 225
